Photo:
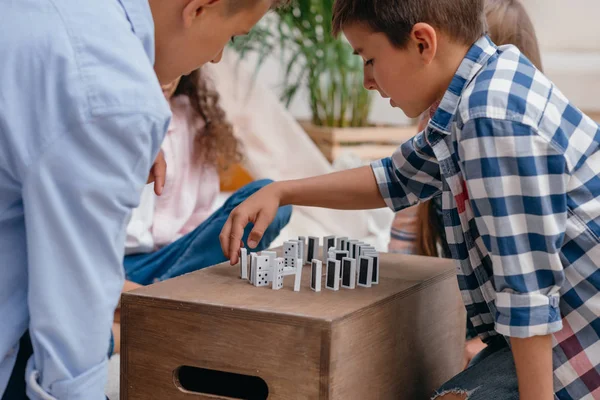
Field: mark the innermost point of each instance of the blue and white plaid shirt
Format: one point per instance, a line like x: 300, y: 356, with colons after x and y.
x: 518, y: 168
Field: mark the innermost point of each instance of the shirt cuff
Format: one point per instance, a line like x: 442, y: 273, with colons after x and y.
x: 527, y: 315
x: 381, y: 171
x: 87, y: 386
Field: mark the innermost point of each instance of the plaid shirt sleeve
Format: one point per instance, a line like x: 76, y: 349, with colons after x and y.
x: 411, y: 175
x: 517, y: 184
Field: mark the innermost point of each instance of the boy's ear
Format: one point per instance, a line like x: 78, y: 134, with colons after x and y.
x: 424, y: 37
x: 194, y: 8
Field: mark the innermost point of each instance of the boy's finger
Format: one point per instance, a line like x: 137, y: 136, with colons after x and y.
x: 235, y: 237
x: 224, y: 237
x: 260, y: 226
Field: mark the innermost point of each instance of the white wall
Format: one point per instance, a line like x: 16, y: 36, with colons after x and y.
x: 569, y: 36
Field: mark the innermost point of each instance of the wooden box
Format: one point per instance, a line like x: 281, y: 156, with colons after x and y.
x: 400, y: 339
x: 368, y: 143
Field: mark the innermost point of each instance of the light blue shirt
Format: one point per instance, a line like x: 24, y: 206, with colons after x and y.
x: 82, y: 117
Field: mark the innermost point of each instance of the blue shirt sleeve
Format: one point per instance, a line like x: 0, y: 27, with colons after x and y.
x: 411, y: 175
x: 77, y: 197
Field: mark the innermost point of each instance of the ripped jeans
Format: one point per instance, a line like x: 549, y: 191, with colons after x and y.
x: 490, y: 375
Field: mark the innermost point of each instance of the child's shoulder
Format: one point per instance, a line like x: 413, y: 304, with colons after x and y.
x: 507, y: 87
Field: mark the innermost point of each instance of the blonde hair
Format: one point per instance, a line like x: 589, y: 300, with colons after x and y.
x: 508, y: 23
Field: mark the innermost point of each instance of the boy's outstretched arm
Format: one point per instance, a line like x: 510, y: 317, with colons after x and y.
x: 354, y: 189
x: 411, y: 175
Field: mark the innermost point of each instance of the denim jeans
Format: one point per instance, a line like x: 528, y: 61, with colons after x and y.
x: 490, y: 375
x: 201, y: 247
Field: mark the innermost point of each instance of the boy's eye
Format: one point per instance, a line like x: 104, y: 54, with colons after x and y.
x: 369, y: 62
x: 233, y: 39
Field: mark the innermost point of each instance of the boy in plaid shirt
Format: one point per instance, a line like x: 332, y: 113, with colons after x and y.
x: 516, y: 164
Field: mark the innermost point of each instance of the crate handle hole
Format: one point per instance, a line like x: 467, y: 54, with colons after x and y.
x: 220, y: 383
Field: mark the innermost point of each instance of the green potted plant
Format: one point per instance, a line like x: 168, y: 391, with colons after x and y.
x: 332, y: 74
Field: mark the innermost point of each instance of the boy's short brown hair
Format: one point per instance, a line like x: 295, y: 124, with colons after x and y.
x: 462, y: 20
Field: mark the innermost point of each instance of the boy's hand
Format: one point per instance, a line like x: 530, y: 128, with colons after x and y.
x: 260, y: 209
x: 158, y: 173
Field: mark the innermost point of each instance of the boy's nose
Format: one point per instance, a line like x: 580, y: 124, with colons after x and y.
x: 369, y: 82
x: 217, y: 58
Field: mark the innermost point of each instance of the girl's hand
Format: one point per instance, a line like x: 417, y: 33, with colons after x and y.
x: 158, y: 173
x: 260, y: 209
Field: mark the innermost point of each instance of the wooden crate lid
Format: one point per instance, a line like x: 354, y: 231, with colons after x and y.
x: 220, y: 289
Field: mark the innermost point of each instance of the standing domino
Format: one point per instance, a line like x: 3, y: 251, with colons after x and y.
x: 262, y: 271
x: 298, y: 277
x: 278, y: 274
x: 339, y: 255
x: 340, y: 243
x: 311, y: 249
x: 243, y: 263
x: 365, y: 271
x: 316, y: 271
x: 328, y: 242
x: 302, y: 248
x: 290, y: 253
x: 272, y: 256
x: 348, y: 273
x: 331, y: 252
x: 253, y: 257
x: 332, y: 280
x: 375, y: 275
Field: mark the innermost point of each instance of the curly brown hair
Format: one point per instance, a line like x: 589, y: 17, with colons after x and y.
x: 215, y: 143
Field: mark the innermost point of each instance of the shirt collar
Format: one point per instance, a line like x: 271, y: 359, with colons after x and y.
x: 140, y: 17
x: 472, y: 64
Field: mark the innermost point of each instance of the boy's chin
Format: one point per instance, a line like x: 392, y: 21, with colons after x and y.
x: 411, y: 113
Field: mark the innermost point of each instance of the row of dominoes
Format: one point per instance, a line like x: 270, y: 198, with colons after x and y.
x: 268, y: 268
x: 348, y: 262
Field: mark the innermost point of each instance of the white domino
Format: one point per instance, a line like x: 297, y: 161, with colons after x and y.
x: 339, y: 255
x: 332, y: 280
x: 366, y: 249
x: 312, y: 248
x: 365, y: 271
x: 328, y: 241
x: 298, y: 277
x: 302, y: 248
x: 350, y: 247
x: 278, y: 274
x: 290, y: 253
x: 316, y: 273
x: 243, y: 263
x: 262, y: 271
x: 375, y: 273
x: 348, y: 273
x: 331, y: 253
x: 253, y: 257
x: 272, y: 256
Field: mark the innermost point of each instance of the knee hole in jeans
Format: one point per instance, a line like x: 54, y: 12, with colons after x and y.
x: 455, y: 394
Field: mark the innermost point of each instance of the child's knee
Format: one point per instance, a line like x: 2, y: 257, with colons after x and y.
x: 283, y: 216
x: 255, y: 186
